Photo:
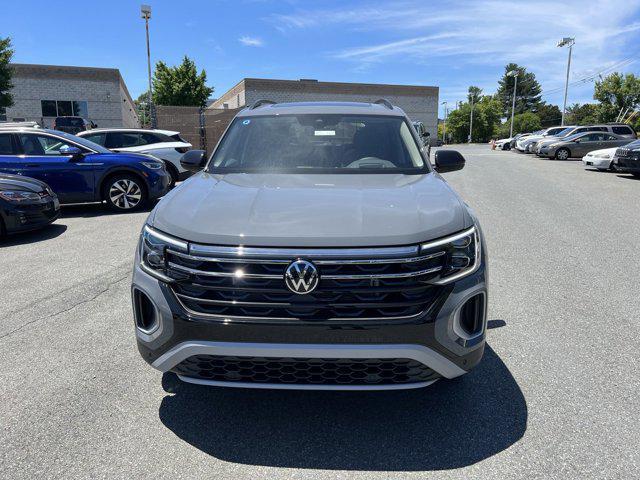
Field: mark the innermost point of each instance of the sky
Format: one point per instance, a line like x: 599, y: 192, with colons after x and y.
x: 449, y: 44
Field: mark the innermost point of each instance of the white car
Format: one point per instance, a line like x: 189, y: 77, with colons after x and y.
x: 166, y: 145
x: 600, y: 159
x: 500, y: 144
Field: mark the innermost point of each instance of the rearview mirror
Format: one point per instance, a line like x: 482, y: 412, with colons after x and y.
x: 193, y: 160
x: 448, y: 161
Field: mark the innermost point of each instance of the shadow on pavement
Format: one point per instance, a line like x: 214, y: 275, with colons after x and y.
x: 46, y: 233
x: 452, y: 424
x: 627, y: 176
x: 88, y: 210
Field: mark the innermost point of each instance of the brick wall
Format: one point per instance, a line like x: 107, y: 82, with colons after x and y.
x: 185, y: 120
x: 108, y: 102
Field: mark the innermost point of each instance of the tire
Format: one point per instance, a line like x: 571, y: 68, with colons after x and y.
x: 563, y: 154
x: 173, y: 172
x: 3, y: 231
x: 603, y: 169
x: 636, y: 174
x: 124, y: 192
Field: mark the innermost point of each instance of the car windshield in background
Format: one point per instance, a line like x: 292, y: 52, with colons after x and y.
x: 564, y: 132
x: 82, y: 141
x: 319, y: 143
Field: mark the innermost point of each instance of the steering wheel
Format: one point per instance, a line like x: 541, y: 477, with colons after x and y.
x: 371, y: 162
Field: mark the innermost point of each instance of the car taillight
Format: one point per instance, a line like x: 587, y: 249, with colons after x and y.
x: 182, y: 149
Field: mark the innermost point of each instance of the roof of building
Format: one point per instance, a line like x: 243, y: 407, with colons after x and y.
x: 315, y: 86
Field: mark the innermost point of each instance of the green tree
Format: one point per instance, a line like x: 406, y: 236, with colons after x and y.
x: 585, y: 114
x: 549, y: 115
x: 527, y: 93
x: 181, y: 85
x: 6, y: 52
x: 474, y: 95
x: 486, y: 116
x: 522, y: 123
x: 143, y: 108
x: 617, y: 94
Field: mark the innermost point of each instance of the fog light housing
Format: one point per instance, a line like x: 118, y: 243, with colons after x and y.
x: 145, y: 312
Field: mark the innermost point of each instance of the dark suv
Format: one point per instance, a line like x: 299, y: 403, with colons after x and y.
x: 627, y: 159
x: 318, y: 249
x: 72, y: 125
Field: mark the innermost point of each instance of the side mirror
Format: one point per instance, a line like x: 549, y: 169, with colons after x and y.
x: 75, y: 152
x: 193, y: 160
x: 448, y: 161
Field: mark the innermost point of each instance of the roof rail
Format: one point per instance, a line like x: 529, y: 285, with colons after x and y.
x: 385, y: 102
x: 259, y: 103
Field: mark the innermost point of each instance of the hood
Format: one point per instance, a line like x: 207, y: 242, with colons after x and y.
x: 311, y: 210
x: 18, y: 182
x: 126, y: 156
x: 603, y: 151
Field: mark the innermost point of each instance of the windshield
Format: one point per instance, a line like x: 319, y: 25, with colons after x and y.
x: 82, y: 141
x: 319, y: 143
x: 565, y: 132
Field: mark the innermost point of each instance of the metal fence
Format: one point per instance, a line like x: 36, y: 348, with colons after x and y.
x: 200, y: 127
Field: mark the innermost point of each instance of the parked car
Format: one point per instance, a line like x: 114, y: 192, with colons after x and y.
x: 627, y: 159
x: 72, y: 125
x: 600, y: 159
x: 424, y: 135
x: 4, y: 125
x: 582, y: 143
x: 81, y: 171
x: 525, y: 144
x: 318, y: 249
x: 163, y: 144
x: 25, y: 204
x: 622, y: 130
x: 512, y: 141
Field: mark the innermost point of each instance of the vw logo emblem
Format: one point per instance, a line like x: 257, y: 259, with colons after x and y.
x: 301, y: 277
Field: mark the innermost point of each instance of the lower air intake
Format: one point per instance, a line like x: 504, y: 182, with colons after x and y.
x: 305, y: 371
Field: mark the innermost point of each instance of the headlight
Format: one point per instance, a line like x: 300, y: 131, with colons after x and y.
x: 153, y: 165
x: 462, y: 254
x: 153, y: 248
x: 18, y: 196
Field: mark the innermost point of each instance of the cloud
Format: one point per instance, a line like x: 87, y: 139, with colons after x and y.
x: 480, y: 36
x: 248, y: 41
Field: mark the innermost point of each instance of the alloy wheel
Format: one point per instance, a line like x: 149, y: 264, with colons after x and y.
x: 125, y: 194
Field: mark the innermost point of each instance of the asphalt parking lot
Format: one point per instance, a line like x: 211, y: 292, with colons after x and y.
x: 556, y: 395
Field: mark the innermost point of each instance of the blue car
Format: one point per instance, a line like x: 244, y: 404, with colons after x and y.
x: 79, y: 171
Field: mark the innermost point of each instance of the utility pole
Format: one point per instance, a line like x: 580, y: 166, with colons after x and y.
x: 563, y: 43
x: 471, y: 121
x: 444, y: 124
x: 513, y: 73
x: 145, y: 10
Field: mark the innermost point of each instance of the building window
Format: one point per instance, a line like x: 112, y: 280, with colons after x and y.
x: 64, y: 108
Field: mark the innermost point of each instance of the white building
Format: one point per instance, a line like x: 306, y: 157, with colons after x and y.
x: 43, y: 92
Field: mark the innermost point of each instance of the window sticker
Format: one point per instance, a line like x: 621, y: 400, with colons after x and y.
x: 246, y: 122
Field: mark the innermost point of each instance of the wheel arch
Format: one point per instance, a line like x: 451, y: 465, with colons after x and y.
x: 119, y: 170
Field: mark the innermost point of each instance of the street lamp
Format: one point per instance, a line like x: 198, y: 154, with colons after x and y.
x: 471, y: 121
x: 566, y: 41
x: 513, y: 73
x: 145, y: 11
x: 444, y: 124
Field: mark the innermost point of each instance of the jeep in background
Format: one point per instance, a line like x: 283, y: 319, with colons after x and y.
x: 317, y: 248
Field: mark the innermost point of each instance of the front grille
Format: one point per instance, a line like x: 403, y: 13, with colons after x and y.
x: 305, y: 371
x: 622, y: 152
x: 384, y: 283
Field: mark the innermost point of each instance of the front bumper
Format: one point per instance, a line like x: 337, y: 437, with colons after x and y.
x: 434, y: 339
x: 596, y: 162
x: 25, y: 217
x: 158, y: 183
x: 627, y: 164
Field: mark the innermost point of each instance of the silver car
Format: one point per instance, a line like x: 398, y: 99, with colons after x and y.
x: 621, y: 130
x: 581, y: 144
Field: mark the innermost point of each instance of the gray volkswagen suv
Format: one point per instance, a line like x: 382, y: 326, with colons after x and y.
x: 317, y: 248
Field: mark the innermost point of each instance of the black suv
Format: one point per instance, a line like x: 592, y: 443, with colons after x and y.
x: 72, y: 125
x: 627, y: 159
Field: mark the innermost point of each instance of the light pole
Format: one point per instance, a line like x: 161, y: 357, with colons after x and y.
x: 513, y: 73
x: 471, y: 121
x: 145, y: 11
x: 566, y: 41
x: 444, y: 124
